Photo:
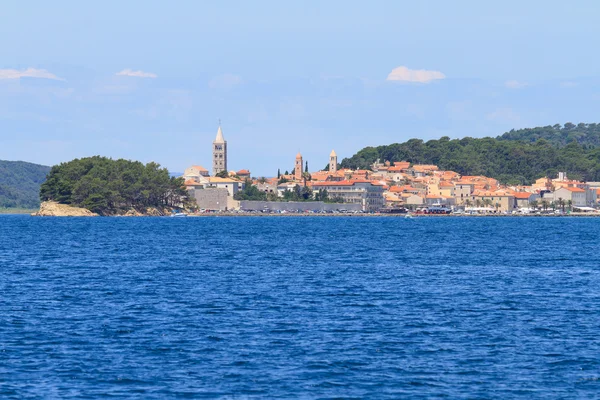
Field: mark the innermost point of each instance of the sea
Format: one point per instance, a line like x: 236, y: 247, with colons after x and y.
x: 300, y: 307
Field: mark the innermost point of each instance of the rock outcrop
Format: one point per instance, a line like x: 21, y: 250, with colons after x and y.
x: 54, y: 209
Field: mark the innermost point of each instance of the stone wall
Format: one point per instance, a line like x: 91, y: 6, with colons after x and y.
x: 213, y: 199
x: 292, y: 206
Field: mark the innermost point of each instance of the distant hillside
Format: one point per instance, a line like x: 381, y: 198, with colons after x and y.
x: 557, y: 135
x: 517, y: 157
x: 20, y: 184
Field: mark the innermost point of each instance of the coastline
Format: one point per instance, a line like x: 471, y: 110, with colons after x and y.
x: 393, y: 215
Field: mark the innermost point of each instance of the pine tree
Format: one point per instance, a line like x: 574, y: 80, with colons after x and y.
x: 306, y: 167
x: 278, y: 173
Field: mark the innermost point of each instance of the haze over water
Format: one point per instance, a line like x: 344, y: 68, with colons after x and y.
x: 299, y: 307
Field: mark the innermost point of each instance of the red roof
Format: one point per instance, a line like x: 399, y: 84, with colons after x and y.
x: 346, y: 183
x: 574, y: 189
x: 522, y: 195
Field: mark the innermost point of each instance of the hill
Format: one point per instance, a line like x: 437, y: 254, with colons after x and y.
x: 112, y: 187
x: 20, y: 184
x: 517, y: 157
x: 557, y: 135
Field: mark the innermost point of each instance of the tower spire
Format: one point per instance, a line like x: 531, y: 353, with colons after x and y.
x: 219, y: 152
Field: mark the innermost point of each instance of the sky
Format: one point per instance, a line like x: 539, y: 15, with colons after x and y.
x: 150, y: 80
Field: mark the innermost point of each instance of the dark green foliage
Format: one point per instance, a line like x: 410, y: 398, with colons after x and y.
x: 107, y: 186
x: 512, y: 158
x: 250, y: 192
x: 222, y: 174
x: 587, y: 135
x: 20, y: 184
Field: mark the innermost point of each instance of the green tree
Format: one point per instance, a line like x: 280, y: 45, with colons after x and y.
x: 561, y: 203
x: 108, y: 187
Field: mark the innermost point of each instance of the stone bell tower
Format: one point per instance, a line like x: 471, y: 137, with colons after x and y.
x: 298, y: 167
x: 219, y: 153
x: 333, y: 162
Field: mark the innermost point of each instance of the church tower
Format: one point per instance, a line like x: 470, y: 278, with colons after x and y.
x: 219, y: 153
x: 333, y: 162
x: 298, y: 167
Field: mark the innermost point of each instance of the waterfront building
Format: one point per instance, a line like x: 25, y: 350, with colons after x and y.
x: 231, y: 185
x: 524, y: 199
x: 499, y: 200
x: 462, y: 191
x: 577, y: 196
x: 364, y: 192
x: 219, y: 153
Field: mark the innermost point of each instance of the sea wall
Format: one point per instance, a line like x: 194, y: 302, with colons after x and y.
x: 214, y: 199
x: 293, y: 206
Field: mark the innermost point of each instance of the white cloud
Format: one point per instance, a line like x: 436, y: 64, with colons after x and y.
x: 27, y: 73
x: 515, y: 84
x: 404, y: 74
x: 225, y: 81
x: 136, y: 74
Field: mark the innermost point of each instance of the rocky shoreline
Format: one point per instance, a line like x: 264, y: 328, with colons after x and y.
x: 54, y: 209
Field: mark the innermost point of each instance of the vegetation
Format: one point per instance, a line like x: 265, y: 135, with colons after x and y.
x: 109, y: 187
x: 517, y: 157
x: 20, y: 184
x: 250, y: 192
x: 587, y: 135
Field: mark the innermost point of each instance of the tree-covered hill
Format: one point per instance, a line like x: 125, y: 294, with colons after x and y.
x: 516, y: 158
x: 20, y: 184
x: 557, y: 135
x: 108, y: 187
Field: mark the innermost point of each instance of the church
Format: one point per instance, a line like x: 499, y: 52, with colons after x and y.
x: 219, y: 153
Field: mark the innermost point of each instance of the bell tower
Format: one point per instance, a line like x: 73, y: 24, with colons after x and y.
x: 298, y: 167
x: 219, y: 152
x: 333, y: 162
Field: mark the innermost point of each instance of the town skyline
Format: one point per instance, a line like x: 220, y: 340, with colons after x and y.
x: 355, y: 76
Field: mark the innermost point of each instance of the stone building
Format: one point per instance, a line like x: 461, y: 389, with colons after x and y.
x: 333, y: 162
x: 363, y: 192
x: 298, y: 167
x: 219, y: 153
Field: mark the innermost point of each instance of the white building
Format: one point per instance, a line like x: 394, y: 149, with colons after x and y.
x: 368, y: 195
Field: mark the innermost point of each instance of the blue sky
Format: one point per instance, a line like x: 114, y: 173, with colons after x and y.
x: 149, y: 80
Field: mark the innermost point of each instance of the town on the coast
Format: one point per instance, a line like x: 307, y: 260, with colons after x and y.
x: 388, y: 187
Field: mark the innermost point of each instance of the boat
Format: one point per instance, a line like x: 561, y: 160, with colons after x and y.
x: 178, y: 214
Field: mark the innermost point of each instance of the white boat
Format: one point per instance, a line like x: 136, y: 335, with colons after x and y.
x: 178, y: 215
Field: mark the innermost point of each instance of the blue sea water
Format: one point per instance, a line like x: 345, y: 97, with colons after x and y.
x: 299, y: 307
